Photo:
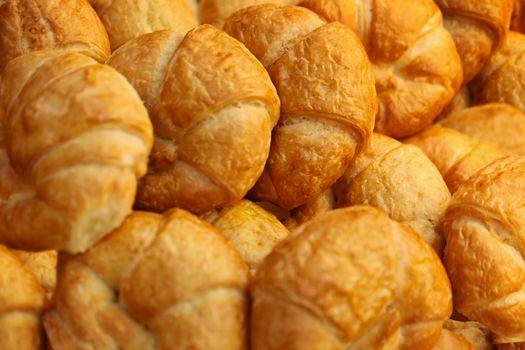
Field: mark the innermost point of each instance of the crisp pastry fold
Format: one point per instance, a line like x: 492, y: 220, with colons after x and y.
x: 328, y: 101
x: 158, y: 282
x: 217, y: 11
x: 74, y: 139
x: 22, y: 301
x: 68, y: 25
x: 400, y: 180
x: 350, y: 278
x: 484, y: 229
x: 416, y: 65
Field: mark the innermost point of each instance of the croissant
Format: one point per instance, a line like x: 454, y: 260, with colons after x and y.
x: 74, y: 138
x: 22, y: 300
x: 462, y: 100
x: 512, y: 346
x: 213, y: 107
x: 127, y: 19
x: 158, y: 282
x: 306, y: 212
x: 478, y: 28
x: 501, y: 78
x: 417, y: 68
x: 325, y: 83
x: 71, y: 25
x: 217, y: 11
x: 496, y: 123
x: 475, y: 333
x: 518, y: 16
x: 456, y: 156
x: 484, y: 227
x: 451, y: 341
x: 43, y: 265
x: 400, y: 180
x: 252, y: 230
x: 350, y: 278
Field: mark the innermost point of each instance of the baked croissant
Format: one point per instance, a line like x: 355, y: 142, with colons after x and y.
x: 306, y: 212
x: 456, y: 156
x: 350, y: 278
x: 22, y: 300
x: 74, y: 138
x: 474, y: 332
x: 478, y: 28
x: 43, y: 265
x: 451, y: 341
x: 252, y: 230
x: 501, y: 80
x: 328, y: 100
x: 127, y: 19
x: 496, y: 123
x: 158, y: 282
x: 518, y: 16
x: 400, y: 180
x: 484, y: 227
x: 512, y: 346
x: 462, y: 100
x: 217, y: 11
x: 71, y: 25
x: 417, y: 68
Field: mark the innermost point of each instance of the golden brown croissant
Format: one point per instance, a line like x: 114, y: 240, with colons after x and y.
x: 474, y: 332
x: 213, y: 107
x: 484, y: 227
x: 127, y: 19
x: 69, y: 25
x: 252, y: 230
x: 518, y: 16
x: 502, y: 78
x: 496, y: 123
x: 217, y: 11
x: 158, y: 282
x: 512, y: 346
x: 22, y: 300
x: 350, y: 278
x: 417, y: 68
x: 456, y: 156
x: 74, y: 138
x: 306, y: 212
x: 451, y: 341
x: 326, y: 87
x: 400, y: 180
x: 43, y: 265
x: 478, y: 28
x: 462, y: 100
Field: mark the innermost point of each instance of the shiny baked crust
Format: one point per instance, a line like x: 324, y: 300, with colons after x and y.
x: 68, y: 25
x: 213, y: 107
x: 74, y: 138
x: 253, y: 231
x: 484, y: 227
x: 328, y: 101
x: 43, y: 265
x: 350, y: 278
x: 217, y: 11
x: 400, y: 180
x: 128, y: 19
x: 22, y: 300
x: 157, y: 282
x: 417, y: 68
x: 451, y: 341
x: 478, y: 28
x: 475, y: 333
x: 456, y: 156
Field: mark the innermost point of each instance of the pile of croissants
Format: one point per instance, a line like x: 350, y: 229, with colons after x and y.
x: 262, y: 174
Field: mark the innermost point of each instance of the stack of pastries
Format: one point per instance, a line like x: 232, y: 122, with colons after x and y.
x: 262, y: 174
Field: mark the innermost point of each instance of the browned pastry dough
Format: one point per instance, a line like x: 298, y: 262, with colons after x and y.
x: 484, y: 230
x: 512, y: 346
x: 478, y: 28
x: 400, y: 180
x: 474, y: 332
x: 127, y: 19
x: 462, y: 100
x: 417, y: 68
x: 217, y: 11
x: 350, y: 278
x: 252, y: 230
x: 213, y: 107
x: 306, y: 212
x: 503, y: 77
x: 456, y: 156
x: 74, y: 138
x: 326, y: 87
x: 496, y: 123
x: 159, y: 282
x: 518, y: 16
x: 22, y: 300
x: 43, y: 265
x: 69, y: 25
x: 451, y: 341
